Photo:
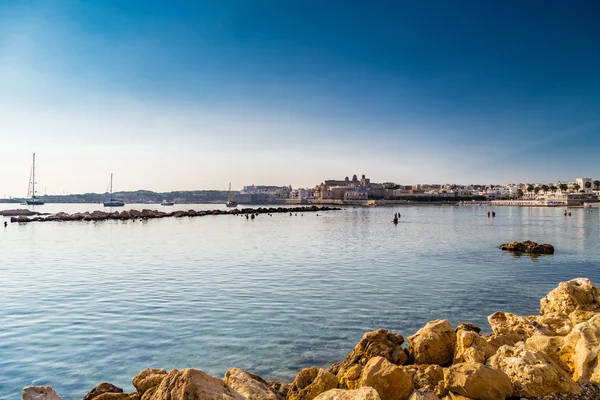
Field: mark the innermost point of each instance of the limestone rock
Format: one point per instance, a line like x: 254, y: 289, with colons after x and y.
x: 467, y: 327
x: 193, y: 384
x: 423, y: 395
x: 528, y: 247
x: 427, y: 377
x: 470, y: 347
x: 311, y: 382
x: 102, y: 388
x: 147, y: 379
x: 280, y: 387
x: 516, y: 328
x: 39, y: 393
x: 118, y: 396
x: 433, y: 344
x: 364, y: 393
x: 477, y: 381
x: 531, y: 373
x: 389, y: 380
x: 251, y: 386
x: 498, y: 340
x: 576, y: 294
x: 379, y: 343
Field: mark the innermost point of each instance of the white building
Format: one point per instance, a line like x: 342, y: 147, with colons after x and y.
x: 582, y: 184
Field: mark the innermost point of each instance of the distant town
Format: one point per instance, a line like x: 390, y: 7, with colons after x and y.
x: 361, y: 191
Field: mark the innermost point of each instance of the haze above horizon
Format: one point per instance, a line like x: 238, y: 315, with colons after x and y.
x: 192, y: 95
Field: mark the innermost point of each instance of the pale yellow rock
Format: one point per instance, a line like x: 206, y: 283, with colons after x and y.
x: 580, y: 350
x: 477, y: 381
x: 379, y: 343
x: 147, y: 379
x: 516, y: 328
x: 251, y: 386
x: 364, y: 393
x: 576, y: 294
x: 454, y: 396
x: 39, y: 393
x: 193, y: 384
x: 433, y: 344
x: 423, y: 395
x: 311, y: 382
x: 470, y: 347
x: 118, y: 396
x: 531, y: 372
x: 389, y: 380
x: 579, y: 316
x: 427, y: 377
x: 104, y: 387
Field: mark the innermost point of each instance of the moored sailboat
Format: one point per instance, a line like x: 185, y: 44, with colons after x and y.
x: 112, y: 202
x: 231, y: 202
x: 31, y: 199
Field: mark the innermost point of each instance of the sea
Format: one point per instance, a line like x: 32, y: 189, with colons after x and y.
x: 87, y: 302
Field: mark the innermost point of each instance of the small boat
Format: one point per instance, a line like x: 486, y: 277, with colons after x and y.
x: 230, y: 200
x: 167, y: 203
x: 32, y: 201
x: 112, y: 202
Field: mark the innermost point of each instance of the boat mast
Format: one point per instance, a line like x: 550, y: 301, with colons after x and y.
x: 33, y: 179
x: 111, y: 174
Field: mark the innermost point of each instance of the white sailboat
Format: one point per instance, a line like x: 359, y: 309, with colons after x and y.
x: 112, y: 202
x: 31, y: 199
x: 230, y: 200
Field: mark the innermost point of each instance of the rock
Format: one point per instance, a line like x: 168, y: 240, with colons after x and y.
x: 147, y: 379
x: 389, y: 380
x: 528, y: 247
x: 433, y: 344
x: 427, y: 377
x: 118, y: 396
x: 531, y: 373
x: 423, y: 395
x: 454, y: 396
x: 102, y: 388
x: 477, y: 381
x: 516, y: 328
x: 364, y: 393
x: 251, y: 386
x: 574, y: 295
x: 39, y: 393
x: 193, y: 384
x: 311, y: 382
x: 280, y: 387
x: 468, y: 327
x: 498, y: 340
x: 379, y: 343
x: 470, y: 347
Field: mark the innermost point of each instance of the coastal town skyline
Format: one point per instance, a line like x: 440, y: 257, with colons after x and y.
x: 195, y: 95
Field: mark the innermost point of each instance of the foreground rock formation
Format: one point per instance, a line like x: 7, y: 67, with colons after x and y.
x: 528, y: 247
x: 154, y: 214
x: 526, y: 357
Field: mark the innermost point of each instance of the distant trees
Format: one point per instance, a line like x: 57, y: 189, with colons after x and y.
x: 597, y: 184
x: 530, y: 188
x: 536, y: 189
x: 553, y: 189
x: 576, y: 187
x: 588, y: 185
x: 520, y: 193
x: 545, y: 188
x: 563, y: 187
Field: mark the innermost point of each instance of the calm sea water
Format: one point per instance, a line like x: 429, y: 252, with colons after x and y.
x: 84, y: 302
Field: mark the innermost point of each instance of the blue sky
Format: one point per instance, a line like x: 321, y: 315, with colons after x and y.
x: 186, y: 95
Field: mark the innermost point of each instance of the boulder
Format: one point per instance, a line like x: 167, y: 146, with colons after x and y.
x: 147, y: 379
x: 311, y: 382
x: 427, y: 377
x: 251, y: 386
x: 433, y: 344
x: 477, y: 381
x: 118, y: 396
x: 423, y: 395
x: 389, y: 380
x: 39, y: 393
x: 531, y: 372
x: 470, y: 347
x: 379, y: 343
x: 364, y: 393
x: 280, y: 387
x: 576, y: 294
x: 528, y: 247
x: 516, y: 328
x: 193, y: 384
x: 102, y: 388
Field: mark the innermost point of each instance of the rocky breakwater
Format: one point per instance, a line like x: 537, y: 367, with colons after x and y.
x: 553, y: 355
x: 153, y: 214
x: 528, y: 247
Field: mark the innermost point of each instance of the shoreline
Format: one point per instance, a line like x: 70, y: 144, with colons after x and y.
x: 525, y: 357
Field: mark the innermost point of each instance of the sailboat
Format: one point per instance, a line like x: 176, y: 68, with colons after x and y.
x: 32, y: 201
x: 230, y: 200
x: 112, y: 202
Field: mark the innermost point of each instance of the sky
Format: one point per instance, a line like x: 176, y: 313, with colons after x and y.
x: 184, y: 95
